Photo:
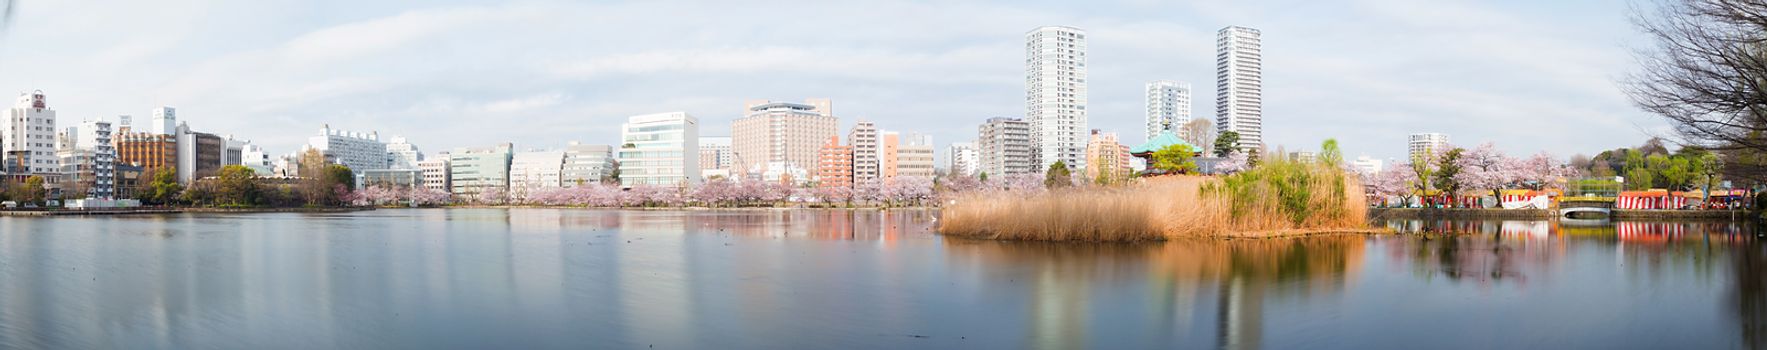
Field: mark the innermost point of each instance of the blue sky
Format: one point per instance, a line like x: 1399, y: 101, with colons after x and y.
x: 1530, y: 76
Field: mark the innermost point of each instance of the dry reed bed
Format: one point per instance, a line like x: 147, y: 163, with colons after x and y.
x: 1296, y: 200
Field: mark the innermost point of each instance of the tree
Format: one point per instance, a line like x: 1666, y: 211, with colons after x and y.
x: 237, y: 185
x: 1394, y: 181
x: 1235, y: 162
x: 1423, y: 169
x: 163, y: 188
x: 1707, y: 75
x: 1485, y: 168
x: 1330, y: 155
x: 30, y: 191
x: 1199, y: 132
x: 1447, y: 170
x: 1227, y: 142
x: 1058, y: 176
x: 1175, y: 159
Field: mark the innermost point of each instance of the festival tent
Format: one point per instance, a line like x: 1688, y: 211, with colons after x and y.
x: 1525, y: 199
x: 1652, y: 199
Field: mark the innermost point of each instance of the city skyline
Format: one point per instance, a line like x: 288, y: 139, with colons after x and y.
x: 377, y: 68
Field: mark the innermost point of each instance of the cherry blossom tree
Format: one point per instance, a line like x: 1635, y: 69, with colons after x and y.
x: 1485, y: 168
x: 1233, y: 163
x: 493, y: 196
x: 1542, y: 171
x: 1394, y: 181
x: 427, y: 196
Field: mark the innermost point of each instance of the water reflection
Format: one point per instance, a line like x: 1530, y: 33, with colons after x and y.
x: 484, y: 278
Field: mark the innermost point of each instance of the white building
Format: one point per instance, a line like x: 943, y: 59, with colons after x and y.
x: 1368, y: 165
x: 1239, y: 85
x: 252, y: 156
x: 435, y: 173
x: 402, y: 154
x: 472, y: 171
x: 1055, y: 95
x: 867, y: 152
x: 164, y: 122
x: 965, y: 159
x: 1168, y: 106
x: 588, y: 164
x: 87, y: 156
x: 786, y: 132
x: 534, y: 170
x: 29, y: 136
x: 359, y: 151
x: 1004, y: 146
x: 716, y: 154
x: 659, y: 150
x: 1425, y: 145
x: 914, y: 157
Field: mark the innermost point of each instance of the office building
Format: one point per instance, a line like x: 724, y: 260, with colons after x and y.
x: 1055, y: 95
x: 587, y: 164
x: 199, y: 154
x: 392, y: 178
x: 781, y: 132
x: 402, y: 154
x: 358, y: 151
x: 147, y: 150
x: 914, y: 157
x: 1368, y: 165
x: 659, y: 150
x: 715, y: 153
x: 163, y: 122
x: 1239, y: 85
x: 1004, y: 147
x: 1168, y: 106
x: 436, y: 173
x: 474, y: 170
x: 533, y: 170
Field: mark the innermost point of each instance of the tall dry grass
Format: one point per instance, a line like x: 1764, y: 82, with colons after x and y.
x: 1274, y: 199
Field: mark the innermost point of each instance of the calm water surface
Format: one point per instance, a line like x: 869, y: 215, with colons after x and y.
x: 535, y: 278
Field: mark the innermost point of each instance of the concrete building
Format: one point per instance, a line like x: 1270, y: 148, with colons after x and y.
x: 888, y: 146
x: 914, y: 157
x: 392, y: 178
x: 965, y: 159
x: 402, y: 154
x: 1108, y: 156
x: 587, y: 164
x: 1425, y: 145
x: 474, y: 170
x: 867, y: 152
x: 1004, y: 147
x: 88, y: 159
x: 791, y: 133
x: 28, y: 134
x: 534, y: 170
x: 164, y: 122
x: 716, y: 155
x: 199, y: 154
x: 1368, y: 165
x: 1239, y: 85
x: 834, y: 165
x: 254, y: 157
x: 659, y: 150
x: 436, y: 173
x: 359, y: 151
x: 1168, y: 106
x: 1055, y: 95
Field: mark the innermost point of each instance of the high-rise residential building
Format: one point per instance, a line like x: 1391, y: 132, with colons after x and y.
x: 965, y: 159
x: 888, y: 145
x: 1168, y: 106
x: 1368, y: 165
x: 1005, y: 146
x: 359, y: 151
x: 867, y: 157
x: 29, y: 136
x: 472, y: 171
x: 715, y: 153
x: 199, y: 154
x: 88, y: 159
x: 834, y: 164
x: 1424, y: 145
x: 436, y: 173
x: 659, y: 150
x: 781, y: 132
x: 533, y: 170
x: 402, y: 154
x: 914, y: 157
x: 587, y: 164
x: 1055, y: 95
x: 1108, y: 156
x: 164, y: 122
x: 1239, y: 85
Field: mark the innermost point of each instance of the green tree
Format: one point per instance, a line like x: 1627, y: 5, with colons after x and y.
x: 1639, y: 179
x: 983, y: 177
x: 1175, y: 159
x: 163, y: 188
x: 1330, y: 155
x: 1421, y: 166
x: 1058, y: 176
x: 237, y: 186
x: 1227, y: 142
x: 30, y: 191
x: 1446, y: 169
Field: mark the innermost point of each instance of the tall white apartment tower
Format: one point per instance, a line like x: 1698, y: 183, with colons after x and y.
x: 1055, y: 95
x: 29, y: 135
x: 1168, y: 106
x: 1424, y: 145
x: 1239, y: 85
x: 867, y: 152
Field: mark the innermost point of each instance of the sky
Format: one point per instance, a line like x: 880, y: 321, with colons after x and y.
x: 1529, y: 76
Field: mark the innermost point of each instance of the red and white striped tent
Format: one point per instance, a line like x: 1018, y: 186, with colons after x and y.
x: 1649, y: 200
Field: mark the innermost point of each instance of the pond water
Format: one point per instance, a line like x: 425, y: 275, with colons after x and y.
x: 778, y: 279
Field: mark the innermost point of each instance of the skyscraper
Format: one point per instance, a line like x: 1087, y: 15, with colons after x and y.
x: 29, y: 135
x: 1168, y: 106
x: 781, y: 132
x: 1055, y: 95
x: 867, y: 164
x: 1004, y: 146
x: 1239, y: 85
